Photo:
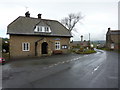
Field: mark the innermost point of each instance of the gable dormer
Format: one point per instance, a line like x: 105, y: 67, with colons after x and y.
x: 45, y: 29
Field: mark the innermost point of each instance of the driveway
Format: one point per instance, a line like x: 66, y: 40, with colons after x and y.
x: 64, y: 71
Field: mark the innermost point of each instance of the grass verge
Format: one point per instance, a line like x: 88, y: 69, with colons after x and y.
x: 86, y: 52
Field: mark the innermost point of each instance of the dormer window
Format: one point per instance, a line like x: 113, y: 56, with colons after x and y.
x: 39, y: 28
x: 42, y: 29
x: 46, y: 29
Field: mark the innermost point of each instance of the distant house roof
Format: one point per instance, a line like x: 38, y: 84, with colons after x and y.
x: 113, y: 32
x: 26, y: 25
x: 75, y: 43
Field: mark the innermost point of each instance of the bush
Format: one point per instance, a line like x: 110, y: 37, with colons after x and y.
x: 81, y: 49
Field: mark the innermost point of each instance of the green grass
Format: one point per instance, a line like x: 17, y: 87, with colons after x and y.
x: 72, y: 50
x: 104, y: 49
x: 118, y: 51
x: 86, y: 52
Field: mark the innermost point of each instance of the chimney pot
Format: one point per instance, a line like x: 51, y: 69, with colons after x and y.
x: 81, y: 38
x: 27, y: 14
x: 39, y: 16
x: 108, y: 29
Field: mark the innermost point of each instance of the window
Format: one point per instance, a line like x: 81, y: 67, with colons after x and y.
x: 42, y: 29
x: 46, y: 29
x: 57, y: 45
x: 112, y: 45
x: 64, y: 47
x: 25, y: 46
x: 39, y: 29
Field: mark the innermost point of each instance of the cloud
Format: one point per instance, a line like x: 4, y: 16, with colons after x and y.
x: 99, y: 14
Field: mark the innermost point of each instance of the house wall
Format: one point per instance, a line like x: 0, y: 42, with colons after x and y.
x: 0, y: 47
x: 16, y: 45
x: 115, y: 39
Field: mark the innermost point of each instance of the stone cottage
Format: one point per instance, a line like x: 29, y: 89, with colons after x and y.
x: 113, y: 39
x: 31, y: 37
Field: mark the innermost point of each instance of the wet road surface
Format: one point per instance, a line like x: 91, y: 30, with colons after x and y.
x: 94, y: 71
x: 0, y: 77
x: 99, y: 70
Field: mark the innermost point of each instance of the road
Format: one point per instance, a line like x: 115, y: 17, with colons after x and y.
x: 99, y: 70
x: 0, y: 77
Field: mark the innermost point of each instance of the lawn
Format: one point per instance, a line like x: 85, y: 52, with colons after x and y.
x: 86, y: 52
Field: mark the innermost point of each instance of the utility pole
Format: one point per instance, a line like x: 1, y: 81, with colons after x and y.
x: 89, y: 36
x: 81, y: 38
x: 89, y: 40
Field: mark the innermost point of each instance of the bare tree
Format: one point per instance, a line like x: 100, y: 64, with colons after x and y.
x: 70, y: 21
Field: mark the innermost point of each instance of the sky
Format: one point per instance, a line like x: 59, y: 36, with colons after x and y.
x: 99, y: 15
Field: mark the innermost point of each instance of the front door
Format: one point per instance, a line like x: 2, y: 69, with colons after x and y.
x: 44, y: 48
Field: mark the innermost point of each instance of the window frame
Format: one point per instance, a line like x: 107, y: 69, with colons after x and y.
x: 64, y: 47
x: 25, y: 46
x: 45, y: 29
x: 57, y: 45
x: 40, y: 28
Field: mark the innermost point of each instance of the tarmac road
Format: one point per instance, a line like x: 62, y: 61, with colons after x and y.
x: 0, y: 77
x: 99, y: 70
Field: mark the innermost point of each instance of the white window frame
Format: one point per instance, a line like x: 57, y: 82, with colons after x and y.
x: 64, y: 46
x: 38, y: 29
x: 112, y: 46
x: 25, y: 47
x: 47, y: 29
x: 42, y: 29
x: 57, y: 44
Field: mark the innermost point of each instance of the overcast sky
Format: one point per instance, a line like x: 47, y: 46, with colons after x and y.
x: 99, y: 14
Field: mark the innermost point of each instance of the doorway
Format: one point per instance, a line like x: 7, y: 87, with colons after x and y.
x: 44, y: 48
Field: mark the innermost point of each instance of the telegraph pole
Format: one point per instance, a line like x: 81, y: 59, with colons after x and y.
x: 89, y: 36
x: 89, y: 39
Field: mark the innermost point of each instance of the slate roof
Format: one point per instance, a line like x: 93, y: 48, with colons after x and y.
x: 74, y: 43
x: 113, y: 32
x: 26, y: 25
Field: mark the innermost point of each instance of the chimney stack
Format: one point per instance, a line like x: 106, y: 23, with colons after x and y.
x: 39, y: 16
x: 27, y: 14
x: 109, y: 29
x: 81, y: 38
